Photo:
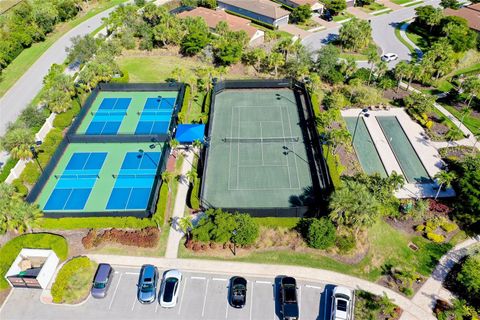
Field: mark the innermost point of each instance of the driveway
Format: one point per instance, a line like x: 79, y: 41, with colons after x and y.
x: 201, y: 296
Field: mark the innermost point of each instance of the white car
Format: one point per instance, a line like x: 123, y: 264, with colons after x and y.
x: 387, y: 57
x: 342, y: 303
x: 169, y: 288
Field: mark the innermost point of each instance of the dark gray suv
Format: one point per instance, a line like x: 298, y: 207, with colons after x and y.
x: 101, y: 281
x: 147, y: 284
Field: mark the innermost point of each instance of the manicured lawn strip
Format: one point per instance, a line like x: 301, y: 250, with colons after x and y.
x: 399, y: 2
x: 344, y: 15
x: 94, y: 223
x: 473, y: 124
x: 443, y: 118
x: 271, y: 222
x: 469, y: 70
x: 356, y: 56
x: 388, y: 246
x: 413, y: 3
x: 383, y: 12
x: 419, y: 37
x: 374, y: 6
x: 6, y: 168
x: 73, y: 281
x: 400, y: 38
x: 11, y: 249
x: 20, y: 65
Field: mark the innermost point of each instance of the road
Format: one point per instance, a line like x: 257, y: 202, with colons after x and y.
x: 383, y: 32
x: 201, y: 296
x: 28, y: 86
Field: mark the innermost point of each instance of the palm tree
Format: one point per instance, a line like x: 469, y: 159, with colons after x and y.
x: 381, y: 68
x: 186, y: 225
x: 396, y: 180
x: 18, y: 142
x: 174, y: 143
x: 401, y: 70
x: 192, y: 175
x: 167, y: 178
x: 472, y: 88
x: 15, y: 213
x: 373, y: 58
x: 197, y: 144
x: 337, y: 137
x: 178, y: 73
x: 445, y: 178
x: 276, y: 60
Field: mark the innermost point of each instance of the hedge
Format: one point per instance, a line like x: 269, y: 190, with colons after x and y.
x: 94, y: 223
x: 125, y: 78
x: 186, y: 101
x: 6, y: 168
x: 20, y: 188
x: 334, y: 167
x: 437, y: 238
x: 11, y: 249
x: 74, y: 277
x: 64, y: 119
x: 272, y: 222
x: 208, y: 100
x: 194, y: 195
x: 162, y: 204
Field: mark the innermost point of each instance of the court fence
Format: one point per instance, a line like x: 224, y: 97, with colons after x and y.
x: 321, y: 180
x: 72, y: 137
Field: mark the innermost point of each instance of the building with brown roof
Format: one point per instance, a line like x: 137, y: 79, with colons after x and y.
x: 470, y: 13
x: 314, y: 4
x: 213, y: 17
x: 261, y: 10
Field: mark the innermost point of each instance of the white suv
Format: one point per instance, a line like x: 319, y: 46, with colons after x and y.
x: 342, y: 304
x: 387, y: 57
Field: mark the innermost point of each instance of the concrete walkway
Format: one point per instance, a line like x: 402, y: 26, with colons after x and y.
x: 176, y: 234
x: 410, y: 309
x: 403, y: 34
x: 432, y: 288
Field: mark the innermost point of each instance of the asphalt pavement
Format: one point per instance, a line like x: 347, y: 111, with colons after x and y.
x: 201, y: 296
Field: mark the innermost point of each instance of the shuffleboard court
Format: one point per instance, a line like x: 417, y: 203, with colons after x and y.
x: 129, y: 112
x: 257, y: 156
x: 102, y: 177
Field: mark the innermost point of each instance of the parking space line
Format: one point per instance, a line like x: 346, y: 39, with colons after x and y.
x: 156, y: 307
x: 274, y: 306
x: 205, y: 299
x: 251, y: 302
x: 264, y: 282
x: 116, y: 272
x: 198, y: 278
x: 226, y: 309
x: 134, y: 301
x: 132, y: 273
x: 313, y: 287
x: 300, y: 298
x: 183, y: 295
x: 219, y: 279
x: 115, y: 292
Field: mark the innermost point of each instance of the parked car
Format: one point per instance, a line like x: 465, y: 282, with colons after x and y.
x: 387, y: 57
x: 101, y: 281
x: 342, y: 304
x: 238, y: 292
x: 288, y: 299
x: 330, y: 38
x: 147, y: 284
x: 327, y: 16
x: 169, y: 288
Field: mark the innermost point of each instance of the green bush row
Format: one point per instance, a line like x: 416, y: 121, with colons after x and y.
x: 125, y: 78
x: 194, y: 195
x: 334, y: 167
x: 94, y: 223
x: 65, y: 277
x: 272, y: 222
x: 208, y: 101
x: 186, y: 100
x: 161, y: 204
x: 11, y: 249
x: 63, y: 120
x: 20, y: 188
x: 6, y: 168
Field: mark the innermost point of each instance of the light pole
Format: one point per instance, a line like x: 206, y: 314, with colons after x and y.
x: 234, y: 233
x: 35, y: 156
x: 366, y: 114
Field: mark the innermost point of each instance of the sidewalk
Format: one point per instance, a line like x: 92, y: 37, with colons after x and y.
x: 175, y: 235
x: 403, y: 34
x: 410, y: 309
x: 432, y: 288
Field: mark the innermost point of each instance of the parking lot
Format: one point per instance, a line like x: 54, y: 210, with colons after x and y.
x: 201, y: 296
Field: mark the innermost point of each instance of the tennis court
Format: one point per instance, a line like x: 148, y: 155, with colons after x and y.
x: 129, y: 112
x: 257, y: 157
x: 102, y: 177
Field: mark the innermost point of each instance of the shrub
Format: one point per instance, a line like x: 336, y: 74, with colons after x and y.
x: 321, y: 233
x: 469, y: 276
x: 186, y: 101
x: 247, y: 229
x: 20, y: 187
x: 438, y: 207
x: 437, y: 238
x: 64, y: 119
x: 345, y: 243
x: 194, y: 195
x: 94, y: 223
x: 206, y: 104
x: 420, y: 228
x: 11, y: 249
x: 159, y: 215
x: 5, y: 171
x: 125, y: 78
x: 145, y: 238
x: 272, y: 222
x: 448, y: 226
x: 73, y: 281
x: 30, y: 174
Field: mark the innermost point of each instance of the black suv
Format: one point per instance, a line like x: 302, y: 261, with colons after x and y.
x: 288, y: 298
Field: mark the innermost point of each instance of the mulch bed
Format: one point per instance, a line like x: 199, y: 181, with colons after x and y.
x: 393, y: 94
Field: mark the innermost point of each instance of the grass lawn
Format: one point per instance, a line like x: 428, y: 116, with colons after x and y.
x: 356, y: 56
x: 473, y: 69
x: 420, y: 37
x: 473, y: 124
x: 344, y: 15
x: 400, y: 38
x: 309, y: 24
x: 73, y: 283
x: 399, y: 2
x: 374, y: 6
x: 28, y: 56
x: 388, y: 246
x: 196, y: 105
x: 7, y: 4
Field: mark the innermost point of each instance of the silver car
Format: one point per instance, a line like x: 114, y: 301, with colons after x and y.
x: 169, y: 288
x: 101, y: 281
x: 147, y: 284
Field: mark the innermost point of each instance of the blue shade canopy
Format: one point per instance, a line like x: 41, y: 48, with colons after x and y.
x: 187, y: 133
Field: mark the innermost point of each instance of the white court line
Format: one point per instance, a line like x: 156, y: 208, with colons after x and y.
x: 295, y: 151
x: 219, y: 279
x: 261, y: 145
x: 117, y: 272
x: 115, y: 292
x: 198, y: 278
x: 183, y: 295
x: 264, y: 282
x: 205, y: 299
x: 313, y: 287
x: 238, y: 149
x: 132, y: 273
x: 255, y: 189
x: 288, y: 163
x: 230, y: 151
x: 251, y: 302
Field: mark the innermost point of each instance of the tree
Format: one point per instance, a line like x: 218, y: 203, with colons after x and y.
x: 362, y: 96
x: 276, y: 60
x: 321, y: 233
x: 229, y: 48
x: 471, y: 87
x: 373, y: 58
x: 419, y: 102
x: 453, y: 4
x: 396, y: 180
x: 327, y: 58
x: 439, y: 59
x: 216, y: 225
x: 434, y: 18
x: 460, y: 36
x: 16, y: 214
x: 45, y: 16
x: 445, y: 179
x: 178, y: 73
x: 192, y: 175
x: 194, y: 42
x: 468, y: 204
x: 83, y: 48
x: 186, y: 225
x: 469, y: 277
x: 336, y: 137
x: 353, y: 206
x: 301, y: 14
x: 355, y: 34
x: 254, y: 57
x: 247, y: 229
x: 18, y: 142
x: 167, y: 178
x: 336, y: 6
x: 349, y: 67
x: 401, y: 71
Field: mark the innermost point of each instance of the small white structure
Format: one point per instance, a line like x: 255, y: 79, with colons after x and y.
x: 33, y: 268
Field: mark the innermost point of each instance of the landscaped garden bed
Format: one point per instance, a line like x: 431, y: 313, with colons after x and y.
x: 373, y: 307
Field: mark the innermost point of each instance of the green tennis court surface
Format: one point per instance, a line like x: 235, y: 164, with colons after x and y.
x: 365, y: 148
x: 127, y: 112
x: 407, y: 157
x: 102, y: 177
x: 257, y: 157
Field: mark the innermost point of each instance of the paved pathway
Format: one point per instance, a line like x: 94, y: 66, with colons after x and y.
x: 359, y: 13
x: 432, y: 288
x: 176, y: 234
x: 411, y: 310
x: 403, y: 34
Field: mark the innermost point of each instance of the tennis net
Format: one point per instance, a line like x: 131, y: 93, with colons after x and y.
x: 109, y: 113
x: 133, y: 176
x: 76, y: 176
x: 261, y: 140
